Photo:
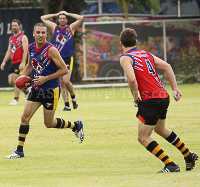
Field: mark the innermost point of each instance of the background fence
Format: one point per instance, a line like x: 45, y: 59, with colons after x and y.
x: 175, y: 41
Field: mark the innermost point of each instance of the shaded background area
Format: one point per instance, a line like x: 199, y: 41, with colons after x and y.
x: 28, y: 18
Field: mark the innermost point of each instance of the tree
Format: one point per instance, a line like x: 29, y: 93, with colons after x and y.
x: 138, y: 5
x: 22, y: 3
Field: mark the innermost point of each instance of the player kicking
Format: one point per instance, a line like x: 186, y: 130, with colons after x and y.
x: 47, y: 65
x: 152, y: 109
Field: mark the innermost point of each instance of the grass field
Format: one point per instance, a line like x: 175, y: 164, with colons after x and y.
x: 110, y: 155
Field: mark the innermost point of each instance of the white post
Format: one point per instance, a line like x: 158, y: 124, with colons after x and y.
x: 84, y: 51
x: 123, y: 27
x: 164, y: 40
x: 179, y: 8
x: 100, y: 7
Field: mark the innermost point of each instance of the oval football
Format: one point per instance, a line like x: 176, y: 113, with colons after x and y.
x: 23, y: 82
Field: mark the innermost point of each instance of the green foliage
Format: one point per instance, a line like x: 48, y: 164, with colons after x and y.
x: 187, y: 66
x: 5, y: 3
x: 139, y: 5
x: 19, y: 3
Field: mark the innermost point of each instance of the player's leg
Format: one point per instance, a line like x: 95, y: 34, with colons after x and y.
x: 69, y: 85
x: 70, y: 88
x: 69, y: 61
x: 144, y: 133
x: 12, y: 76
x: 59, y: 123
x: 16, y: 90
x: 29, y: 110
x: 148, y: 114
x: 50, y: 103
x: 64, y: 93
x: 172, y: 138
x: 11, y: 80
x: 161, y: 129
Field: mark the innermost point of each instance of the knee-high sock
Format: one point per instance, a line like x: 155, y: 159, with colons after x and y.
x: 176, y: 141
x: 156, y: 150
x: 62, y: 124
x: 23, y: 131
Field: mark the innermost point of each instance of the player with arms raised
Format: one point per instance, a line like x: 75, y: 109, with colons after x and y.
x: 47, y: 65
x: 64, y: 42
x: 140, y: 68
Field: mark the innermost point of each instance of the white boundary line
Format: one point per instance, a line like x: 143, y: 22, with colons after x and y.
x: 6, y: 88
x: 85, y: 86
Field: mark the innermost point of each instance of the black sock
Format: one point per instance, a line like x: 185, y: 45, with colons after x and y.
x: 16, y: 98
x: 73, y: 96
x: 176, y: 141
x: 75, y: 126
x: 156, y: 150
x: 62, y: 124
x: 23, y: 131
x: 67, y: 104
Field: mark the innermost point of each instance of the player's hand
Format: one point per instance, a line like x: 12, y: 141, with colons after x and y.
x: 63, y: 12
x: 39, y: 80
x: 136, y: 102
x: 2, y: 66
x: 177, y: 94
x: 25, y: 91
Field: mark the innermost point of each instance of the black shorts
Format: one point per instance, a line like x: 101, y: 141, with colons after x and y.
x: 14, y: 68
x: 69, y: 61
x: 48, y: 99
x: 150, y: 111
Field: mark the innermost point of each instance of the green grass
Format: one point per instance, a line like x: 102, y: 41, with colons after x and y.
x: 110, y: 154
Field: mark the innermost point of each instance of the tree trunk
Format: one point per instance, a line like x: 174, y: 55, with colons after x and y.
x: 46, y: 11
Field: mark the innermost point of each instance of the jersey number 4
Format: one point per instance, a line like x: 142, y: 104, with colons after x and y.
x: 150, y: 67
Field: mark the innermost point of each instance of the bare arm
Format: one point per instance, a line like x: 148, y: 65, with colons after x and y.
x: 28, y: 67
x: 46, y: 20
x: 6, y: 58
x: 55, y: 56
x: 25, y: 52
x: 126, y: 64
x: 162, y: 65
x: 77, y: 23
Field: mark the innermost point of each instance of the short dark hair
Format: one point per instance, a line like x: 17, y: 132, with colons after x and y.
x: 128, y: 37
x: 63, y: 15
x: 16, y: 20
x: 40, y: 24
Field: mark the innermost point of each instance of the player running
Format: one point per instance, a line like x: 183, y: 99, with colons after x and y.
x: 153, y: 108
x: 17, y: 52
x: 64, y: 42
x: 47, y: 65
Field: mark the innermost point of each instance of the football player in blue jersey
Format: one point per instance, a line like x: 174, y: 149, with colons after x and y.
x: 47, y: 65
x: 64, y: 42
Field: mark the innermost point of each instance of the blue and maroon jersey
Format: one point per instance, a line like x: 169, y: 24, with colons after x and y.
x: 16, y: 50
x: 149, y: 84
x: 64, y: 41
x: 43, y: 66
